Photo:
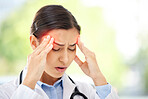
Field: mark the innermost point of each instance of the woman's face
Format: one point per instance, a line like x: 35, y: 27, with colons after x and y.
x: 63, y: 52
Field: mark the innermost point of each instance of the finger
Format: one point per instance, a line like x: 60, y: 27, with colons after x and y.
x: 81, y: 46
x: 51, y: 42
x: 44, y: 43
x: 78, y: 61
x: 45, y: 52
x: 49, y: 46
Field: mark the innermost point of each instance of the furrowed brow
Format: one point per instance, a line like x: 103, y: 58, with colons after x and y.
x: 64, y: 44
x: 58, y: 44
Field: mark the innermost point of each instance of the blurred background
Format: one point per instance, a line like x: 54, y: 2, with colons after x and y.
x: 116, y: 30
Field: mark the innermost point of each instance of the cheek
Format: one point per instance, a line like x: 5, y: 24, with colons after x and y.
x: 72, y: 55
x: 51, y: 58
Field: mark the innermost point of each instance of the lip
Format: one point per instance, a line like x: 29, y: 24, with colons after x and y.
x: 61, y: 69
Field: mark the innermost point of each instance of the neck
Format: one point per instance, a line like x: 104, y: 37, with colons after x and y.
x: 48, y: 79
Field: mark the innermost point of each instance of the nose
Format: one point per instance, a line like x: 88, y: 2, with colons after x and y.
x: 64, y: 58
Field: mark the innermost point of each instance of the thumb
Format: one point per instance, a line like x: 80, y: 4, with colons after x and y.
x: 78, y: 61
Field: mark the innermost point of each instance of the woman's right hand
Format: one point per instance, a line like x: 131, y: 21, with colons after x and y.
x: 37, y: 61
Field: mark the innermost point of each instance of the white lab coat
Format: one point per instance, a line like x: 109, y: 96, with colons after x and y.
x: 14, y: 90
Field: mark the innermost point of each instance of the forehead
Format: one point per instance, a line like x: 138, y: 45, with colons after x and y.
x: 63, y: 36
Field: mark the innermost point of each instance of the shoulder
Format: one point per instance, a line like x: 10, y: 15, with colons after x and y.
x: 10, y: 84
x: 85, y: 87
x: 8, y: 88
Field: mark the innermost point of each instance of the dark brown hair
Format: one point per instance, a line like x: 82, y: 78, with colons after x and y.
x: 52, y: 17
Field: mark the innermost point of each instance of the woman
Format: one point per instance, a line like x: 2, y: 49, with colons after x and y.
x: 53, y: 38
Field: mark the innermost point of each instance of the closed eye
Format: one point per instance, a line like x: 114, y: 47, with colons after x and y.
x: 59, y: 49
x: 72, y: 49
x: 55, y: 49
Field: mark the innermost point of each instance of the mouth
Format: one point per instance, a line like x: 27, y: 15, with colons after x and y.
x: 61, y: 69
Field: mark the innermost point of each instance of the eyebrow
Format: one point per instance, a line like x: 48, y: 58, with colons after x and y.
x: 64, y: 44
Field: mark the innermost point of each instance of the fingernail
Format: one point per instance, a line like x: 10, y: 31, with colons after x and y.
x: 78, y: 39
x: 44, y: 39
x: 51, y: 45
x: 48, y: 37
x: 52, y: 39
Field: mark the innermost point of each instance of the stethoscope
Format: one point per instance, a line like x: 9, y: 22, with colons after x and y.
x: 76, y: 91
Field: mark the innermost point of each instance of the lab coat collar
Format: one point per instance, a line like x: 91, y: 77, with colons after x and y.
x: 37, y: 89
x: 68, y: 85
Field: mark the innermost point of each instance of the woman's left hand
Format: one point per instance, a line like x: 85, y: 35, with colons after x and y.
x: 90, y: 66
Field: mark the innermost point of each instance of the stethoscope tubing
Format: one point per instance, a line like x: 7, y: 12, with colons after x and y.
x: 76, y: 91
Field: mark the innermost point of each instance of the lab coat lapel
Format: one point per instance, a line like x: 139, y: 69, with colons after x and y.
x: 37, y: 89
x: 68, y: 87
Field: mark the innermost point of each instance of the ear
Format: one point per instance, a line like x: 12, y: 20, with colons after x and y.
x: 33, y: 42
